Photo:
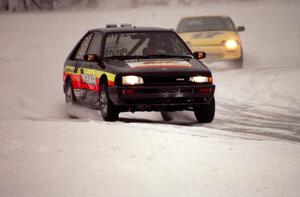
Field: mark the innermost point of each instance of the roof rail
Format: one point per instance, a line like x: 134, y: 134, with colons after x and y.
x: 126, y: 25
x: 111, y: 25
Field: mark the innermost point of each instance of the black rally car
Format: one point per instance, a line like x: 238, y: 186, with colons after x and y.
x: 120, y: 69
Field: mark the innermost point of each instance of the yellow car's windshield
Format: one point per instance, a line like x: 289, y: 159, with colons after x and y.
x: 198, y: 24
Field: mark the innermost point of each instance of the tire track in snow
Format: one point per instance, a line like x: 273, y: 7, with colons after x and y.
x: 262, y: 101
x: 258, y: 120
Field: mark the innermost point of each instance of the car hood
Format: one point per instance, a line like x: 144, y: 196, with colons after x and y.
x: 208, y: 37
x: 159, y: 66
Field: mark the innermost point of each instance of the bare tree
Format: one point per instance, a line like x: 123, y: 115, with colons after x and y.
x: 43, y: 4
x: 91, y: 3
x: 185, y: 2
x: 4, y: 5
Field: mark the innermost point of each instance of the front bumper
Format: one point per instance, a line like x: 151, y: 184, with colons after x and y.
x: 158, y: 98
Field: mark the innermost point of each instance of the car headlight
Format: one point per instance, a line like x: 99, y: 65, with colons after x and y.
x: 132, y: 80
x: 231, y: 44
x: 201, y: 79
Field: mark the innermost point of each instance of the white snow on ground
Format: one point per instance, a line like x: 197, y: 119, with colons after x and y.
x: 66, y: 158
x: 251, y: 148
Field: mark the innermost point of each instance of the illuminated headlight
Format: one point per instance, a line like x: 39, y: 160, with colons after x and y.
x: 201, y: 79
x: 132, y: 80
x: 231, y: 44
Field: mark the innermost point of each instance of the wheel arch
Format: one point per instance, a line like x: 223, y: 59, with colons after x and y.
x: 67, y: 80
x: 103, y: 80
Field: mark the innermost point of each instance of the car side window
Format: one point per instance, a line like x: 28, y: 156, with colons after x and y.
x: 95, y: 45
x: 83, y: 47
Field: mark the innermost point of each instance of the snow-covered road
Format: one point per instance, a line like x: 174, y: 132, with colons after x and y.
x: 251, y: 149
x: 271, y: 110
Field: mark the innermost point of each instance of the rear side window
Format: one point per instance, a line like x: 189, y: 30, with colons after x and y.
x: 83, y: 47
x: 95, y: 45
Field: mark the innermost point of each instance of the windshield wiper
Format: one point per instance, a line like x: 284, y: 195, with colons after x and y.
x: 122, y: 57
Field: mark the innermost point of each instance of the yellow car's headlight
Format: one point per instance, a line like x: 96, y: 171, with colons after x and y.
x: 132, y: 80
x: 201, y: 79
x: 231, y: 44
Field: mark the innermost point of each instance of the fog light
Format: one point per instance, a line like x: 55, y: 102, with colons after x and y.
x: 128, y: 91
x: 204, y: 90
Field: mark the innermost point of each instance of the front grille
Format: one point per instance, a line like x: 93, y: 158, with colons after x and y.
x: 214, y: 55
x: 166, y: 80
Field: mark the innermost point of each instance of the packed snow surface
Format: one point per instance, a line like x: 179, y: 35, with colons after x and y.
x: 251, y: 148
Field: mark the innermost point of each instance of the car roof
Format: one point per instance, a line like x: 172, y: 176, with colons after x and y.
x: 208, y: 16
x: 129, y: 29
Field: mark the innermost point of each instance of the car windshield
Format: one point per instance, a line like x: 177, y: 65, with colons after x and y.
x: 205, y: 24
x: 144, y: 44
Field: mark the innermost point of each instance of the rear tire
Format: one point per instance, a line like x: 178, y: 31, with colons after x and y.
x: 70, y: 99
x: 205, y: 113
x: 108, y: 110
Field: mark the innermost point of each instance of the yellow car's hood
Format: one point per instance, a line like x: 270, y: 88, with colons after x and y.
x: 208, y: 37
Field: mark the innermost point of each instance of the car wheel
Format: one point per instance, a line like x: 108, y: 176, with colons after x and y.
x: 205, y: 113
x: 166, y: 116
x: 238, y: 63
x: 108, y: 110
x: 70, y: 99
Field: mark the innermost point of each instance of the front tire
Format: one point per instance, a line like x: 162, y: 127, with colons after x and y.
x: 205, y: 113
x: 238, y: 63
x: 108, y: 110
x: 166, y: 116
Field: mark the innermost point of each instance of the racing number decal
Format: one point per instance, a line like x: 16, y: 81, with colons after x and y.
x: 89, y: 79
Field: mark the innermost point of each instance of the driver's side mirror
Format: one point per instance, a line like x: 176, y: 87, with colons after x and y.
x: 91, y: 58
x: 240, y: 28
x: 199, y: 54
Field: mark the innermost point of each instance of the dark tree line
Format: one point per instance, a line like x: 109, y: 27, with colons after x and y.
x: 17, y: 5
x: 27, y: 5
x: 21, y: 5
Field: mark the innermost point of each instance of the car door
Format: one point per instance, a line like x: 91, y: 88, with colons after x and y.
x: 90, y: 69
x: 74, y: 65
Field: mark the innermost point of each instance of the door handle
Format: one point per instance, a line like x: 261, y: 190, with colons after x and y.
x: 76, y: 68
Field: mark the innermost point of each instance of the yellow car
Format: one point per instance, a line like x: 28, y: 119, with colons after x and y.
x: 215, y: 35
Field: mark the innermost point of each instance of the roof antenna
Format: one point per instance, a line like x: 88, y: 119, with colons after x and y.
x: 134, y: 22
